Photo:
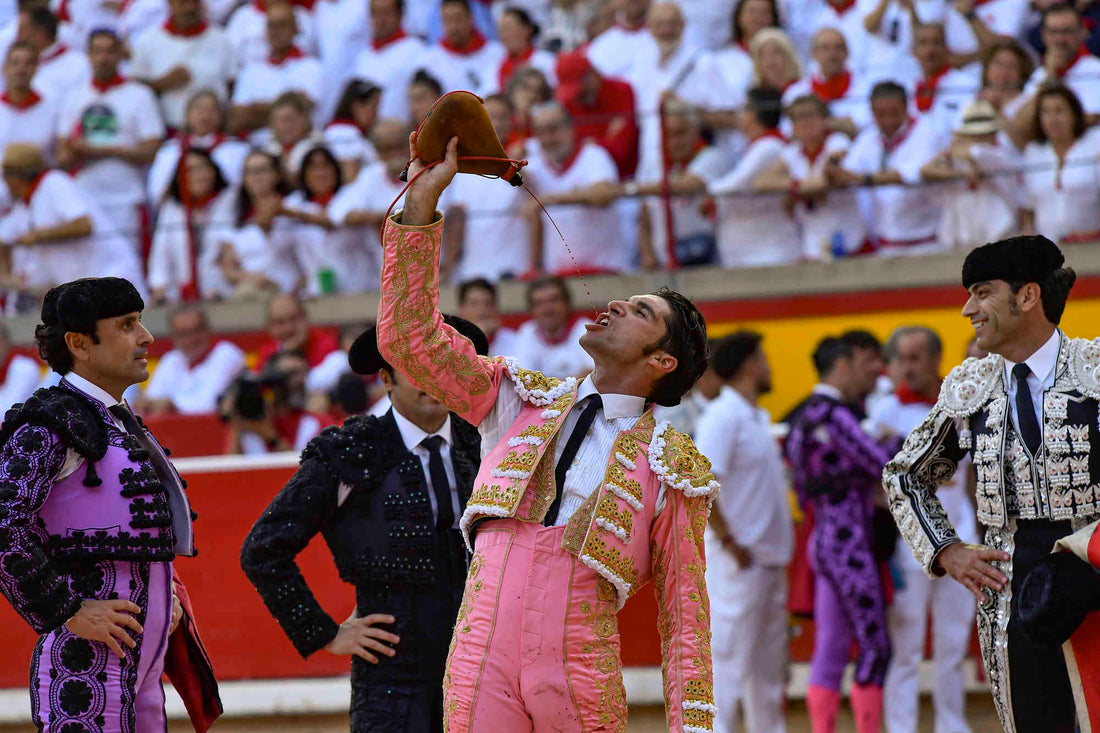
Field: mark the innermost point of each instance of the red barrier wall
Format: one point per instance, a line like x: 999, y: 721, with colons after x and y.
x: 244, y: 642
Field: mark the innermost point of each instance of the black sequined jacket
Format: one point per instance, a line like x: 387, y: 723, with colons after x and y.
x: 382, y: 535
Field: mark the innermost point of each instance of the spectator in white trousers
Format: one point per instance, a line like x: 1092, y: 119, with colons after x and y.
x: 748, y: 542
x: 914, y: 353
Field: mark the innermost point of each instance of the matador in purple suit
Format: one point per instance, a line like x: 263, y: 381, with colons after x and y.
x: 837, y: 469
x: 92, y: 515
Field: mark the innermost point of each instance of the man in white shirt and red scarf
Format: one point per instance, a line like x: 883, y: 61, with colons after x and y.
x: 915, y: 352
x: 582, y: 498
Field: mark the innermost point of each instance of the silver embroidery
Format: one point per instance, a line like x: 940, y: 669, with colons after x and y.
x: 993, y: 626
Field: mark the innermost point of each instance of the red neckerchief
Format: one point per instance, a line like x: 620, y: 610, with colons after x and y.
x: 192, y: 363
x: 770, y: 132
x: 46, y: 57
x: 926, y: 90
x: 577, y: 147
x: 31, y: 99
x: 197, y: 141
x: 476, y: 42
x: 33, y: 187
x: 891, y: 144
x: 63, y: 14
x: 511, y: 63
x: 293, y: 53
x: 1081, y: 53
x: 379, y: 43
x: 105, y: 86
x: 175, y: 30
x: 907, y: 396
x: 812, y: 155
x: 323, y: 200
x: 204, y: 201
x: 743, y: 46
x: 844, y: 7
x: 557, y: 341
x: 833, y: 88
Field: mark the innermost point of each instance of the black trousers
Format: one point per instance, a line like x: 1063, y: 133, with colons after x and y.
x: 404, y: 693
x: 1042, y: 700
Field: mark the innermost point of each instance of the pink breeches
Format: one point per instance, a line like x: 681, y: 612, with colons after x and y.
x: 536, y: 643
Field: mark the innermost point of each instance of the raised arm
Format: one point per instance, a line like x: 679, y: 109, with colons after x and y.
x: 411, y: 334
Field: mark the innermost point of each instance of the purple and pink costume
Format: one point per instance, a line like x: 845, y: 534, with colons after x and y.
x: 837, y: 469
x: 536, y: 643
x: 87, y: 537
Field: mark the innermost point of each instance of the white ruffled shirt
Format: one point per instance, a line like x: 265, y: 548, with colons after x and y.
x: 620, y: 412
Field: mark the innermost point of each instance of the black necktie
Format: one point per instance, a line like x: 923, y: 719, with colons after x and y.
x: 156, y: 455
x: 444, y: 512
x: 1025, y: 410
x: 584, y: 422
x: 177, y: 501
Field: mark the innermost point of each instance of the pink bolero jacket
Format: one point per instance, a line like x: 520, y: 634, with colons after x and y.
x: 618, y: 531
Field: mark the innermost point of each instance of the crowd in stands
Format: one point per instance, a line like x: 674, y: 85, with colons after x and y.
x: 208, y: 150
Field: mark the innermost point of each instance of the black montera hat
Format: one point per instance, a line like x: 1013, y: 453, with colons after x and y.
x: 364, y: 358
x: 1029, y: 259
x: 77, y: 305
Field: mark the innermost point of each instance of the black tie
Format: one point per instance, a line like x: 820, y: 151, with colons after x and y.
x: 444, y: 513
x: 177, y: 502
x: 1025, y: 409
x: 156, y: 455
x: 584, y: 422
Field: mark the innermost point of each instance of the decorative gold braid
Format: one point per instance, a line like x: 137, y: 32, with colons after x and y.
x: 604, y: 623
x: 413, y: 313
x: 542, y: 483
x: 469, y: 596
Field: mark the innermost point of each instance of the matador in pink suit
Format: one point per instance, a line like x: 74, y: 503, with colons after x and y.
x: 582, y: 499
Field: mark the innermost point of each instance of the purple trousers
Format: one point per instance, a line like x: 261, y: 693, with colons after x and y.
x: 82, y: 686
x: 849, y: 602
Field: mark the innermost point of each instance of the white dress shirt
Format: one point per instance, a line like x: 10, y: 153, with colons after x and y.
x: 620, y: 412
x: 1042, y: 364
x: 412, y: 436
x: 736, y: 437
x: 194, y: 389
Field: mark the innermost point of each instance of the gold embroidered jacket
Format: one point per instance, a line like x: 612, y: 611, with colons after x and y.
x: 618, y: 531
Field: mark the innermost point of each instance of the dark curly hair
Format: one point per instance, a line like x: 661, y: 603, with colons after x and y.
x: 76, y: 307
x: 686, y: 339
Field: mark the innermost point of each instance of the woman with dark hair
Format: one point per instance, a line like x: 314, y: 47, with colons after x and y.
x: 196, y: 200
x: 527, y: 87
x: 258, y: 252
x: 347, y: 136
x: 729, y: 72
x: 517, y: 34
x: 424, y: 91
x: 1062, y: 171
x: 1006, y: 67
x: 204, y: 128
x: 332, y: 258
